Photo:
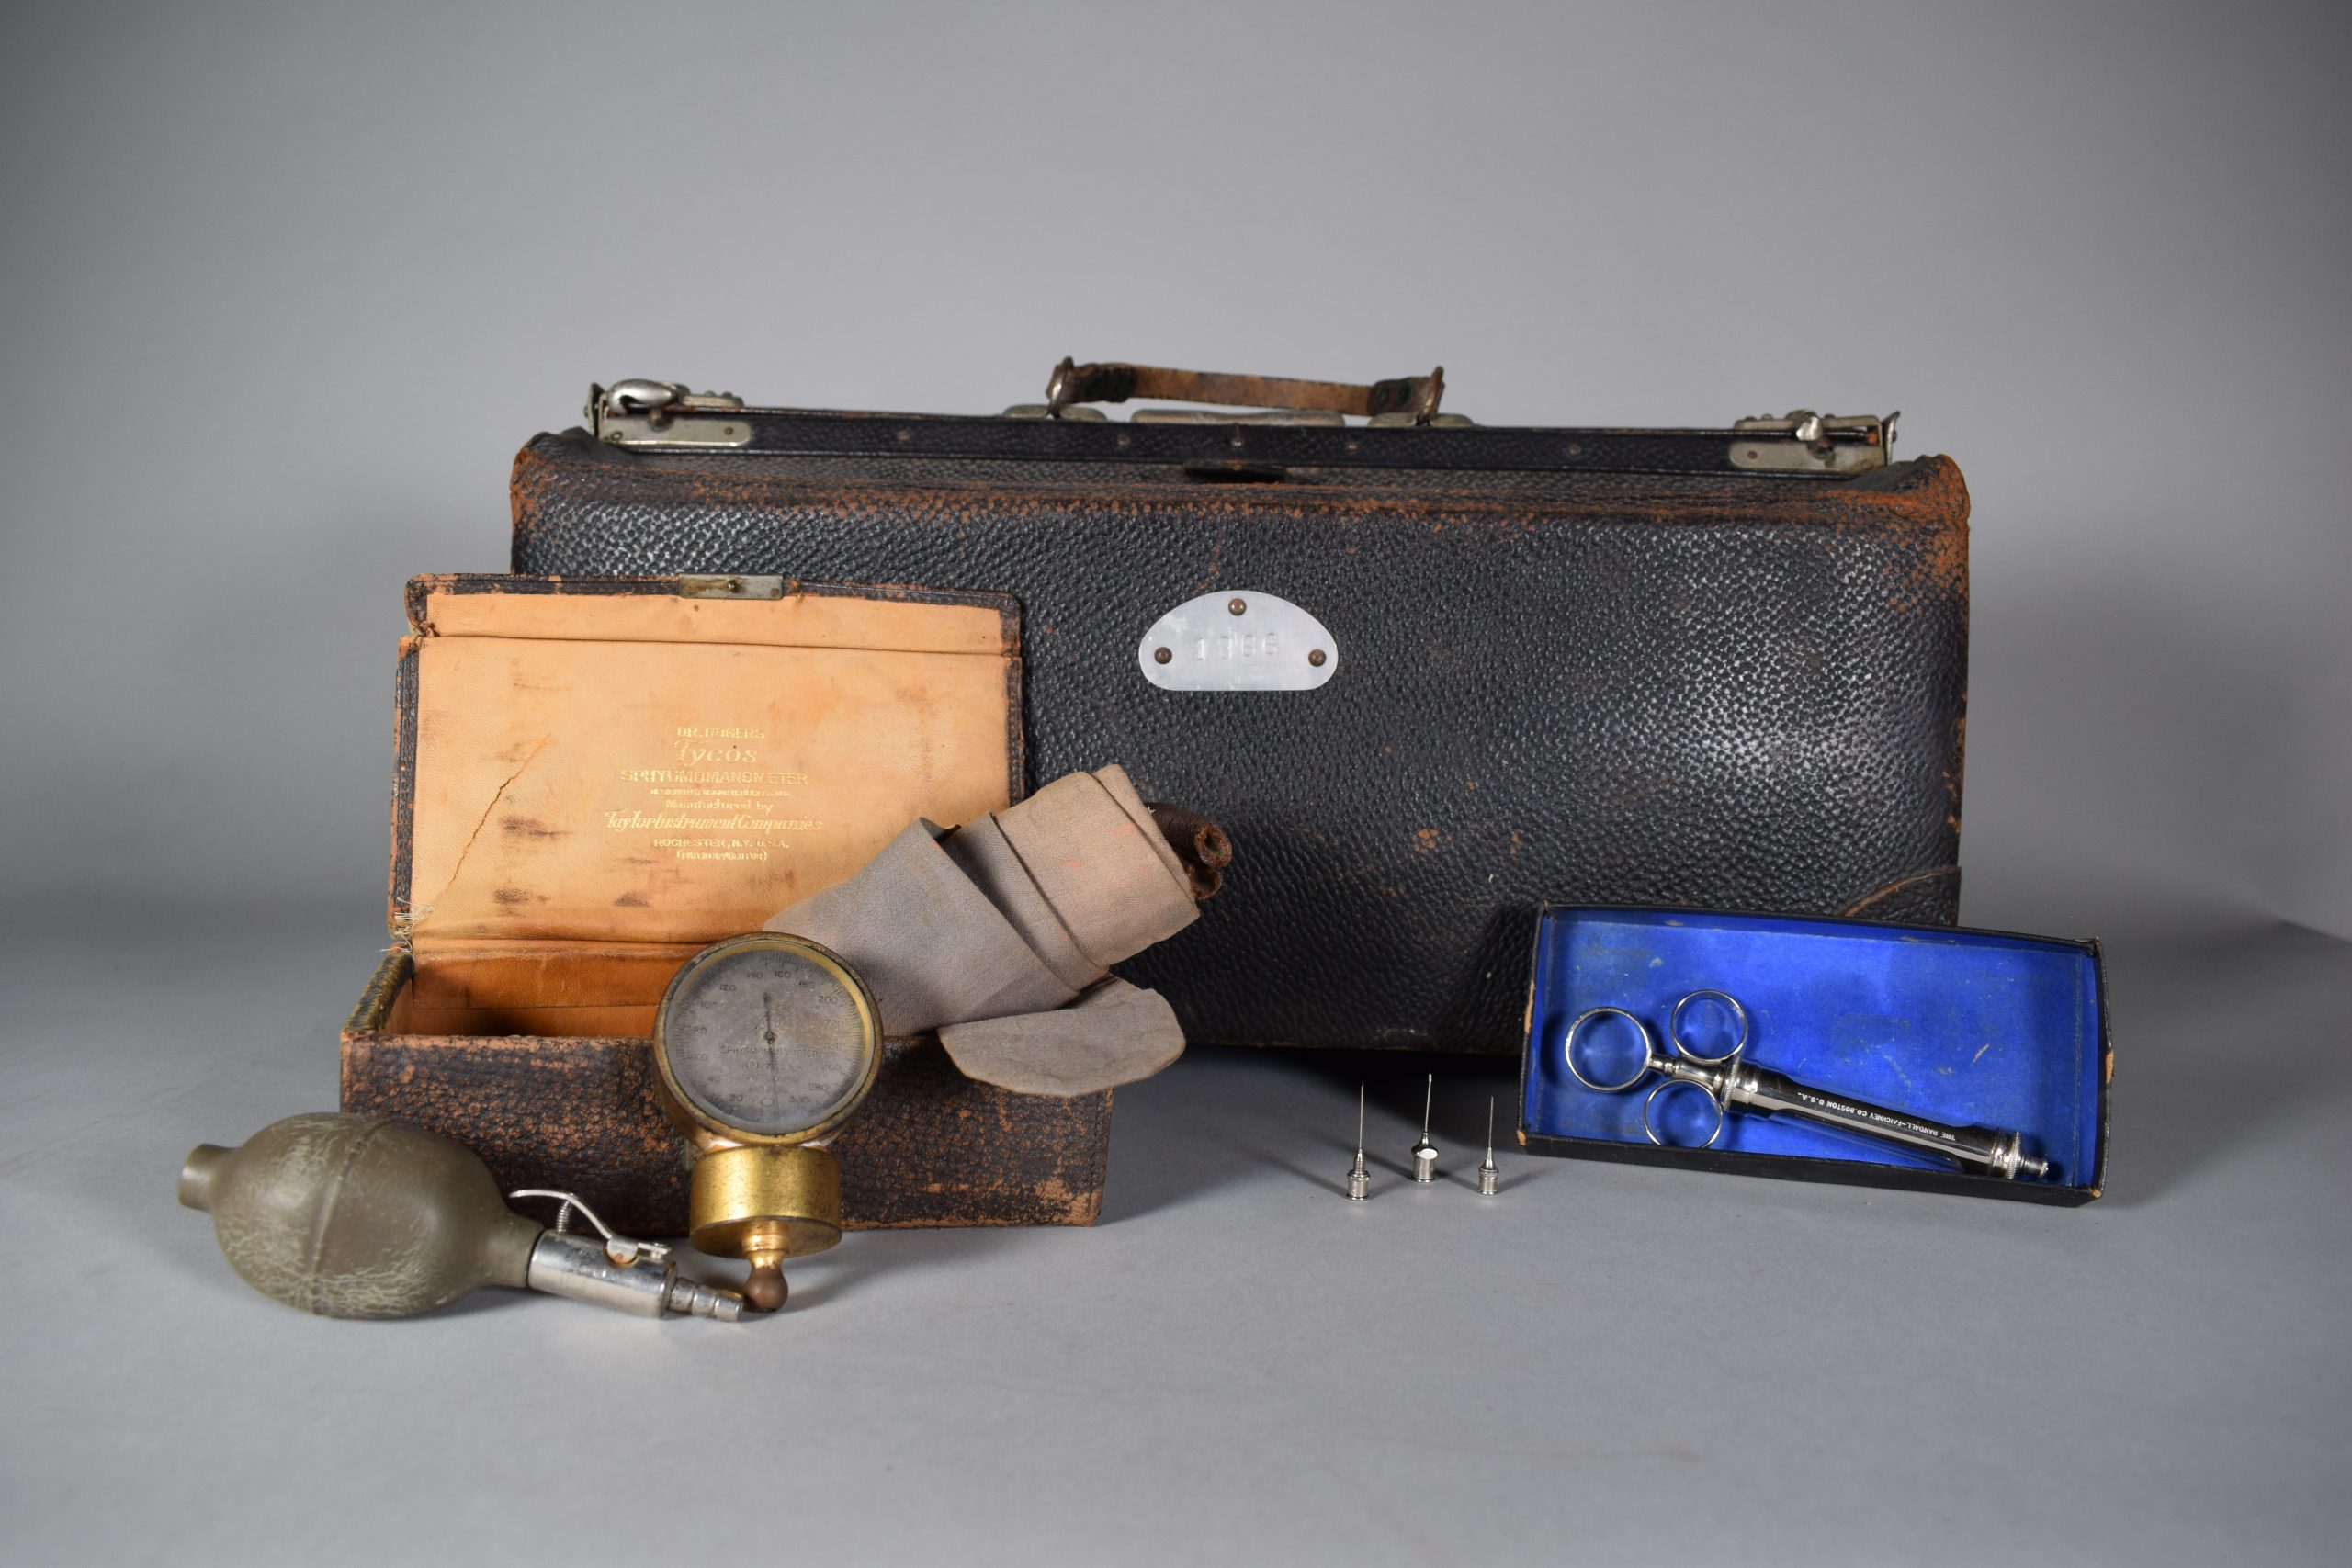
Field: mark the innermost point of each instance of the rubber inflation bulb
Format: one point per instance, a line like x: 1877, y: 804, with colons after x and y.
x: 356, y: 1216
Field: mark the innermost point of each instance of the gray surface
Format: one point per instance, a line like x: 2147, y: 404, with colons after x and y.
x: 287, y: 283
x: 1600, y: 1364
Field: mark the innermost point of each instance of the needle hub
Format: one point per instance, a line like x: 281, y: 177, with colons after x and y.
x: 1425, y: 1152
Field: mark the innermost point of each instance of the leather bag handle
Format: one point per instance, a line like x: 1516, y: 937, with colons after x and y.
x: 1074, y: 383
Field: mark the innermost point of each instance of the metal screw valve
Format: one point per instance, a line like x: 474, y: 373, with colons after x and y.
x: 616, y: 1271
x: 1488, y: 1175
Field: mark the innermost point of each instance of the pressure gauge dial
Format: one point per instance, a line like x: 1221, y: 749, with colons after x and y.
x: 765, y: 1045
x: 767, y: 1038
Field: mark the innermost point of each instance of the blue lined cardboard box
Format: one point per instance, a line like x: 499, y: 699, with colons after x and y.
x: 1972, y: 1027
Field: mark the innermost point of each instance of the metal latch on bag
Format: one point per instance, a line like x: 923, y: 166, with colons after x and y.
x: 664, y: 413
x: 1804, y: 442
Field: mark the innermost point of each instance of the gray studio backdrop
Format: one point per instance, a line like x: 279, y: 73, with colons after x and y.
x: 285, y: 285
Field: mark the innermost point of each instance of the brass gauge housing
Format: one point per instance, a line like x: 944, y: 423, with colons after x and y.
x: 765, y: 1045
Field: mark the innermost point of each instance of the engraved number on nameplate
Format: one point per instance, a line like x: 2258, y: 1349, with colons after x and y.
x: 1238, y: 640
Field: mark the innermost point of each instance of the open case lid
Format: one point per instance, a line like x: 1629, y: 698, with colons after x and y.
x: 673, y: 760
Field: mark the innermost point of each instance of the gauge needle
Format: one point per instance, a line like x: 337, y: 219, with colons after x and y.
x: 767, y: 1014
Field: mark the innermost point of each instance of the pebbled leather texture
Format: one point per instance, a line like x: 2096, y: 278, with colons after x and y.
x: 1723, y: 692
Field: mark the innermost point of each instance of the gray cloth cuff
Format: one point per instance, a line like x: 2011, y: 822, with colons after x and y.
x: 1115, y: 1033
x: 979, y: 848
x: 928, y: 944
x: 989, y: 936
x: 1099, y: 861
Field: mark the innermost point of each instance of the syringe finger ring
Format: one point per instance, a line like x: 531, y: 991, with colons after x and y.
x: 1649, y: 1123
x: 1650, y: 1058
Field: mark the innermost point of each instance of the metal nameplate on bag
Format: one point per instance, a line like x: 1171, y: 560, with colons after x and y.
x: 1239, y: 640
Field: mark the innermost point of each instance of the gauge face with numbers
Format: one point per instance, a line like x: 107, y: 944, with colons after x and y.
x: 767, y: 1038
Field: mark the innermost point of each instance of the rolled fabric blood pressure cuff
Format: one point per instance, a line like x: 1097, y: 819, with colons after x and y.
x: 1000, y: 935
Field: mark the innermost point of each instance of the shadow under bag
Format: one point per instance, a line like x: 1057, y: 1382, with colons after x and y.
x: 1429, y: 676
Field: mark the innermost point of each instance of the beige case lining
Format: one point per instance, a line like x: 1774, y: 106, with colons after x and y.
x: 603, y: 783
